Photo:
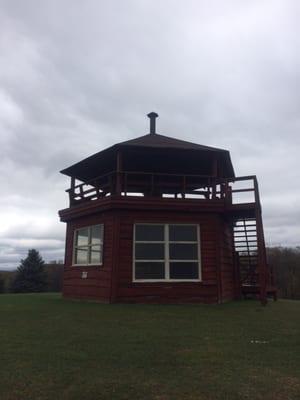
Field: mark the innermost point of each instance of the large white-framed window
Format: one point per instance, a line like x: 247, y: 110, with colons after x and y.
x: 88, y: 245
x: 166, y: 252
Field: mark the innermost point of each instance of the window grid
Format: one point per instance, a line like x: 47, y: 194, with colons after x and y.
x: 167, y: 259
x: 89, y: 246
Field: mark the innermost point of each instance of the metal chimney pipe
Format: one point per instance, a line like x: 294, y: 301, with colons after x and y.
x: 152, y: 117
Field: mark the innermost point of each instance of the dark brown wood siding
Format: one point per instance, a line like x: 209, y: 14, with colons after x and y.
x: 97, y: 285
x: 113, y: 281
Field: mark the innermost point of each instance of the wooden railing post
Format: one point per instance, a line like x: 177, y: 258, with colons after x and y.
x: 229, y: 194
x: 81, y: 192
x: 72, y: 190
x: 214, y: 189
x: 111, y: 184
x: 125, y: 184
x: 183, y: 186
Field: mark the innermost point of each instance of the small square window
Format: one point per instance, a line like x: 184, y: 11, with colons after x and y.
x: 88, y: 245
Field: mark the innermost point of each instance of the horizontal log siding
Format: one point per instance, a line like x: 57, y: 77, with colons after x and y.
x: 112, y: 282
x: 97, y: 285
x: 167, y: 292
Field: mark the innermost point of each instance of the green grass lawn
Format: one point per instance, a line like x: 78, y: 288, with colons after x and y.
x: 52, y: 348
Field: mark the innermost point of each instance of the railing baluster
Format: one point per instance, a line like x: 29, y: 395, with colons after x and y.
x: 183, y: 186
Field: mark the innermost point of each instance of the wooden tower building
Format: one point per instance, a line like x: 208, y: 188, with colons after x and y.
x: 156, y: 219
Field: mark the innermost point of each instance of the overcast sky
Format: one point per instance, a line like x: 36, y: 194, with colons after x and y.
x: 78, y: 76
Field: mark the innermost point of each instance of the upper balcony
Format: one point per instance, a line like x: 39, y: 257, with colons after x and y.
x: 232, y: 193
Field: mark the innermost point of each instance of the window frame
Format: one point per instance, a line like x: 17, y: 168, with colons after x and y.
x: 89, y: 246
x: 167, y: 259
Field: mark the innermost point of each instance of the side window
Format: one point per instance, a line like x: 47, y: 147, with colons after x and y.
x: 88, y: 245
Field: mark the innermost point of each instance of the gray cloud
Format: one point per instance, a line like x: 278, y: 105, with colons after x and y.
x: 77, y: 77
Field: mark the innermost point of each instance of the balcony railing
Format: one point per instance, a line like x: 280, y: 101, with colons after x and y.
x: 143, y: 184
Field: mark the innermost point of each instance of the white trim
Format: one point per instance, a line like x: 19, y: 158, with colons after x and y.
x: 167, y: 260
x: 89, y: 246
x: 165, y: 280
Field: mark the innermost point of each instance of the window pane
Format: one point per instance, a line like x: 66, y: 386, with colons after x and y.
x: 95, y: 255
x: 149, y: 251
x: 149, y: 233
x: 96, y: 234
x: 81, y: 256
x: 82, y: 237
x: 181, y: 251
x: 149, y: 270
x: 182, y: 270
x: 183, y: 233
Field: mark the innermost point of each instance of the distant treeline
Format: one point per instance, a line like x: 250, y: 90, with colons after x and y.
x: 54, y: 274
x: 285, y: 262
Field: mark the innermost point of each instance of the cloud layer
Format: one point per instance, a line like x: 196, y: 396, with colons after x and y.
x: 76, y: 77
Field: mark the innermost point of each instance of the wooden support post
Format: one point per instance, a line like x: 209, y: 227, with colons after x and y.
x: 237, y: 273
x: 226, y: 191
x: 215, y: 167
x: 219, y: 257
x: 125, y: 184
x: 222, y: 190
x: 72, y: 191
x: 119, y: 174
x: 115, y: 260
x: 97, y: 189
x: 152, y: 185
x: 73, y: 182
x: 110, y: 184
x: 214, y: 189
x: 183, y: 186
x: 261, y: 248
x: 81, y: 192
x: 215, y: 175
x: 229, y: 194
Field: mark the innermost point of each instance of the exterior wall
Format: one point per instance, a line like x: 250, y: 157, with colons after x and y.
x: 97, y: 285
x: 113, y: 281
x: 205, y: 291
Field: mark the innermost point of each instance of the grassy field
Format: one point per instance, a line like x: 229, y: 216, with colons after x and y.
x: 52, y: 348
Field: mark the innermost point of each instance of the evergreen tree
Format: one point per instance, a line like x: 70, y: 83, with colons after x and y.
x: 2, y: 284
x: 30, y: 275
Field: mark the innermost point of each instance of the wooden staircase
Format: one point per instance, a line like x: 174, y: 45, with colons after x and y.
x: 254, y: 272
x: 245, y: 243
